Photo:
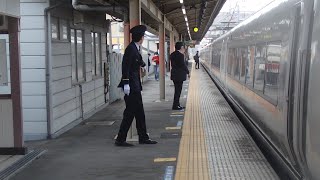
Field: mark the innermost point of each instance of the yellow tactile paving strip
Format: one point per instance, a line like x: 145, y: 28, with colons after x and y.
x: 192, y: 160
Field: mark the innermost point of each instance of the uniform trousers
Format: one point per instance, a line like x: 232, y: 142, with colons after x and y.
x: 197, y: 64
x: 177, y: 92
x: 134, y: 109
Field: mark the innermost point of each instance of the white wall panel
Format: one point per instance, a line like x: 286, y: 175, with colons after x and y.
x: 34, y: 62
x: 32, y: 49
x: 34, y: 88
x: 33, y: 8
x: 61, y: 60
x: 61, y: 73
x: 62, y: 97
x: 99, y: 91
x: 35, y: 127
x: 89, y: 76
x: 32, y: 22
x: 11, y: 7
x: 88, y: 97
x: 100, y: 100
x: 34, y: 115
x: 33, y: 75
x: 89, y: 106
x: 88, y: 87
x: 32, y: 36
x: 61, y: 85
x: 34, y: 102
x: 88, y: 58
x: 61, y: 48
x: 65, y: 120
x: 64, y: 108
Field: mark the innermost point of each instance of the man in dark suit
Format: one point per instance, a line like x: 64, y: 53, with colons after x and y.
x: 179, y: 73
x: 131, y: 84
x: 197, y: 60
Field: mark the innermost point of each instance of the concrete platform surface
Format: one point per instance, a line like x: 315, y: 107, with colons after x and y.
x: 87, y: 152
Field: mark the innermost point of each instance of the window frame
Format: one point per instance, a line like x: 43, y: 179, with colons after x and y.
x: 55, y: 21
x: 60, y: 22
x: 96, y: 66
x: 74, y: 67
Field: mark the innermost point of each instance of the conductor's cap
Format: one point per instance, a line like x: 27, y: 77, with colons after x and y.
x: 138, y: 30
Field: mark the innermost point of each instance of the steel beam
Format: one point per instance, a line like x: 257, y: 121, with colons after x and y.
x: 149, y: 7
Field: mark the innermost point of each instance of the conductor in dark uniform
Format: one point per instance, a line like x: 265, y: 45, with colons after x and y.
x: 179, y: 73
x: 131, y: 84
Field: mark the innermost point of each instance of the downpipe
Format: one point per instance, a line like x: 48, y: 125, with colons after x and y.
x: 49, y: 68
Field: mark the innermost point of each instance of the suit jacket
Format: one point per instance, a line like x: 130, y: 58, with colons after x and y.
x: 196, y: 58
x: 131, y: 63
x: 179, y: 69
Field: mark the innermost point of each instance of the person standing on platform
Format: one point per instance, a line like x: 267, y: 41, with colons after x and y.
x: 131, y: 85
x: 179, y: 73
x: 149, y: 64
x: 155, y: 61
x: 197, y: 59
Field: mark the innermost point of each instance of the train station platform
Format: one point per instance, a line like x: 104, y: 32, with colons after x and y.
x: 206, y: 141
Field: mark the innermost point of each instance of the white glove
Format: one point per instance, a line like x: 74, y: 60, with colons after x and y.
x: 126, y: 89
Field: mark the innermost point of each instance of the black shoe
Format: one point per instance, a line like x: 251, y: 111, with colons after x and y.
x: 182, y: 107
x: 148, y: 141
x: 177, y: 108
x: 123, y: 144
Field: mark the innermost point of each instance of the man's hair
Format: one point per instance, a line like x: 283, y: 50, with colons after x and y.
x: 137, y: 37
x: 179, y: 45
x: 156, y: 53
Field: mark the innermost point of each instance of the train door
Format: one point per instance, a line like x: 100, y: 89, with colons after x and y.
x: 312, y: 142
x: 298, y: 85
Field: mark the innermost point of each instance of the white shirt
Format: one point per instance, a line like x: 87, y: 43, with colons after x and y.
x: 138, y: 46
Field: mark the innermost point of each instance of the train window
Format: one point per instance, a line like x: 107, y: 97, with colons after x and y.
x: 231, y: 57
x: 259, y: 68
x: 236, y: 64
x: 243, y: 61
x: 250, y: 66
x: 272, y: 70
x: 218, y: 58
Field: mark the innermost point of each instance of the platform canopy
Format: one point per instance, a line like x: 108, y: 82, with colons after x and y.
x: 180, y: 16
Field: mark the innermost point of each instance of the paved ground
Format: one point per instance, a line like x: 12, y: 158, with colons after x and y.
x: 87, y: 152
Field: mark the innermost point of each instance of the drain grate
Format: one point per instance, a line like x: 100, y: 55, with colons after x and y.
x: 100, y: 123
x: 170, y: 135
x: 14, y: 168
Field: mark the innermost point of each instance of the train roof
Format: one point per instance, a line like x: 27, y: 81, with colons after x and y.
x: 263, y: 12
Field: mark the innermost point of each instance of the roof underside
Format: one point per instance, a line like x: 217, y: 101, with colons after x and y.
x: 200, y: 13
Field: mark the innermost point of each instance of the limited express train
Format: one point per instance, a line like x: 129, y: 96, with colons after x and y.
x: 269, y: 68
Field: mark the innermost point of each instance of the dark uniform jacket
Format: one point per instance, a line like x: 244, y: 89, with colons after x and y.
x: 131, y: 62
x: 196, y: 57
x: 179, y: 69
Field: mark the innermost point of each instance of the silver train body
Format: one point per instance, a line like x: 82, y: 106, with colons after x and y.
x: 269, y: 66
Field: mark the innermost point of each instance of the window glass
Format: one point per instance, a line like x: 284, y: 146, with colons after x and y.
x: 73, y: 55
x: 93, y: 53
x: 260, y: 59
x: 250, y: 66
x: 216, y: 58
x: 54, y: 28
x: 243, y: 61
x: 63, y: 30
x: 80, y: 55
x: 98, y: 53
x: 236, y: 64
x: 231, y: 58
x: 272, y: 70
